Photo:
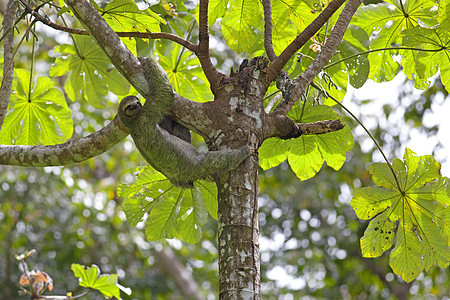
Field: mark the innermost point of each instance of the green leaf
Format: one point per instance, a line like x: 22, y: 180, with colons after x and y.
x: 192, y: 215
x: 417, y: 197
x: 405, y: 259
x: 209, y: 194
x: 382, y: 175
x: 172, y: 211
x: 38, y: 113
x: 90, y: 278
x: 370, y: 201
x: 386, y: 21
x: 378, y: 236
x: 216, y: 9
x: 355, y: 41
x: 124, y: 15
x: 162, y: 221
x: 140, y: 197
x: 186, y: 75
x: 420, y: 65
x: 307, y: 153
x: 283, y: 30
x: 91, y: 74
x: 273, y: 152
x: 242, y: 19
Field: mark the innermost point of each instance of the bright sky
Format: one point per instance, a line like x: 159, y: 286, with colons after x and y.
x: 387, y: 92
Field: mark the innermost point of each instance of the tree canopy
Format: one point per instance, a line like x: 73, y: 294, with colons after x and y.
x: 66, y: 64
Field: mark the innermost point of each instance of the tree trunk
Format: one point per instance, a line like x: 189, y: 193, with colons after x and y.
x: 239, y: 265
x: 241, y: 105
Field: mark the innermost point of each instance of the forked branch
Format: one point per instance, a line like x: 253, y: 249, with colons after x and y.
x: 278, y: 64
x: 328, y: 50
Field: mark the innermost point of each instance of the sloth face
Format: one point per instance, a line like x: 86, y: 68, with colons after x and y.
x: 133, y: 108
x: 130, y: 106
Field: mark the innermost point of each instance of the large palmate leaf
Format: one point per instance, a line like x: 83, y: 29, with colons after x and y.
x: 420, y: 65
x: 386, y: 21
x: 355, y: 41
x: 240, y: 22
x: 307, y: 154
x: 186, y: 75
x: 91, y: 74
x: 38, y: 113
x: 216, y: 9
x: 124, y: 15
x: 417, y: 198
x: 168, y: 211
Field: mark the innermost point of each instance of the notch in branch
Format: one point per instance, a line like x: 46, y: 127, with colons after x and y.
x: 284, y: 128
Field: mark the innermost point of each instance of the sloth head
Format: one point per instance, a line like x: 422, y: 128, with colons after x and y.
x: 129, y: 108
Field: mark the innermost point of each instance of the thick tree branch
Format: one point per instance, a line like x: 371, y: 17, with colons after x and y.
x: 8, y: 52
x: 203, y: 55
x: 322, y: 59
x: 277, y: 65
x: 73, y: 151
x: 268, y: 45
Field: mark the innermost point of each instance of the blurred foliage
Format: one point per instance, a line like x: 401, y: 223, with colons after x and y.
x: 309, y: 233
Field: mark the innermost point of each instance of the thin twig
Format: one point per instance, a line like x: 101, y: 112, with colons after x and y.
x: 11, y: 62
x: 133, y: 34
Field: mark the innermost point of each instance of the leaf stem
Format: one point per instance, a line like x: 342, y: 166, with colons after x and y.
x: 381, y: 49
x: 366, y: 130
x: 183, y: 48
x: 30, y: 83
x: 17, y: 48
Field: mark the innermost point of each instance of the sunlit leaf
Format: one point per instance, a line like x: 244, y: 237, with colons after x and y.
x: 90, y: 278
x: 386, y: 21
x: 216, y: 9
x: 355, y: 41
x: 308, y: 153
x: 168, y: 211
x: 240, y: 22
x: 91, y: 74
x: 378, y: 236
x: 38, y: 113
x: 124, y: 15
x: 208, y: 190
x: 424, y: 64
x: 192, y: 215
x: 417, y: 198
x: 186, y: 75
x: 273, y: 152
